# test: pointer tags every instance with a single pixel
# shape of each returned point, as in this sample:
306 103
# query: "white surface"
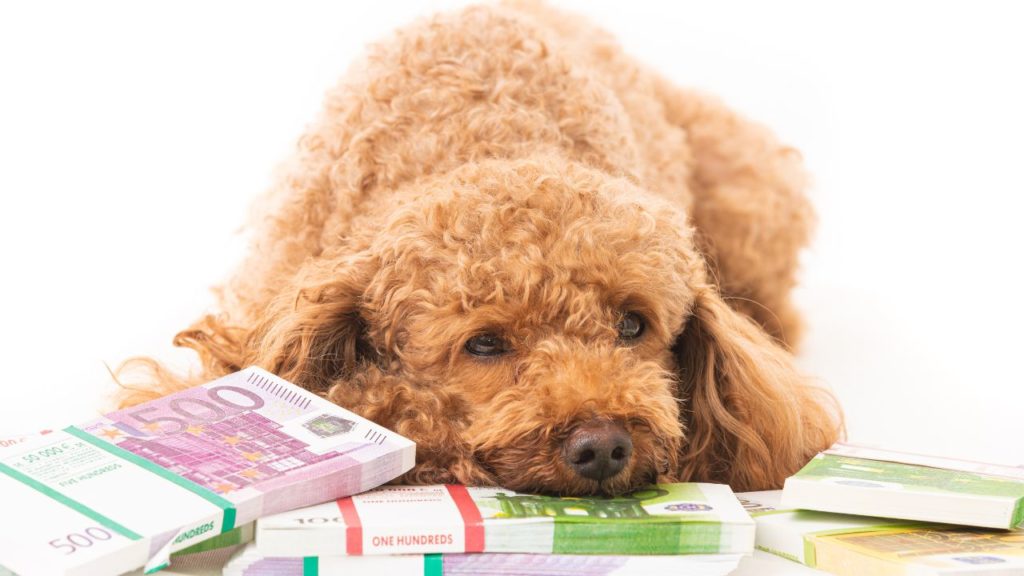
134 136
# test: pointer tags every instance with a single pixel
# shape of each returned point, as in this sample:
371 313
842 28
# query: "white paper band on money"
662 519
128 489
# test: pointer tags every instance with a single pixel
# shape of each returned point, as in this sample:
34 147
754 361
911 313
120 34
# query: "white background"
134 136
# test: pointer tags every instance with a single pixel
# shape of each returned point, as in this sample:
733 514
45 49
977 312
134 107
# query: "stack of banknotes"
250 562
854 510
125 491
288 484
869 481
445 529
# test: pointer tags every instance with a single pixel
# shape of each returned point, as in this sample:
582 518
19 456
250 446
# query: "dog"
554 270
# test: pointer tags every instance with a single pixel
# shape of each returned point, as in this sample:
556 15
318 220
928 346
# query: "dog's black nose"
598 449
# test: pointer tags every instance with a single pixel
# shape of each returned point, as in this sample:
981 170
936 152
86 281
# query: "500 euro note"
128 489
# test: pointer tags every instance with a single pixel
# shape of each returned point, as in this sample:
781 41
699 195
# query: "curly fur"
508 169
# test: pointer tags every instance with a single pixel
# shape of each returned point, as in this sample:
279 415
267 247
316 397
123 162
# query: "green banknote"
686 518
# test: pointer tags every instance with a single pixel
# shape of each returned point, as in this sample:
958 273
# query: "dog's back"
514 80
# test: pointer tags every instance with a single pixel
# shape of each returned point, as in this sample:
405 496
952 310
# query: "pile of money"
289 484
249 562
905 514
850 545
852 479
447 529
659 519
127 490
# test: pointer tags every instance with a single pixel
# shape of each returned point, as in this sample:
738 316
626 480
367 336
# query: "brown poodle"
552 269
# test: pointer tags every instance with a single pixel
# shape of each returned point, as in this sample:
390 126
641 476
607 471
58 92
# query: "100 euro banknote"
660 519
850 545
128 489
851 479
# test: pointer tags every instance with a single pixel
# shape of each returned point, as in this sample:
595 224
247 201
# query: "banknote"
249 562
851 479
661 519
854 545
128 489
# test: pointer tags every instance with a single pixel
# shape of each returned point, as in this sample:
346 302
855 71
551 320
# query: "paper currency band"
224 504
69 502
433 565
353 526
471 517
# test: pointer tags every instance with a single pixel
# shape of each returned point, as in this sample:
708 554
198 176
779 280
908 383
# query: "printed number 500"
72 542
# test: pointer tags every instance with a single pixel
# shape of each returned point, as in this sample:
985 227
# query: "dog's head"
545 327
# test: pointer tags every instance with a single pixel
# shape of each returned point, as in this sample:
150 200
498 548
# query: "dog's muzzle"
598 449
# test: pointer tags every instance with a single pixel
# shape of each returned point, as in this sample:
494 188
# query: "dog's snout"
598 449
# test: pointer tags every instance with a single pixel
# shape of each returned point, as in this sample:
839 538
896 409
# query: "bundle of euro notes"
856 510
447 529
249 562
659 519
849 545
126 490
866 481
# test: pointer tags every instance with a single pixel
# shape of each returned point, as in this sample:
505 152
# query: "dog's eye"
630 327
486 345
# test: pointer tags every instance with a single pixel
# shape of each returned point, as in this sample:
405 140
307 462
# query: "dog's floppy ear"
751 419
316 333
312 334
